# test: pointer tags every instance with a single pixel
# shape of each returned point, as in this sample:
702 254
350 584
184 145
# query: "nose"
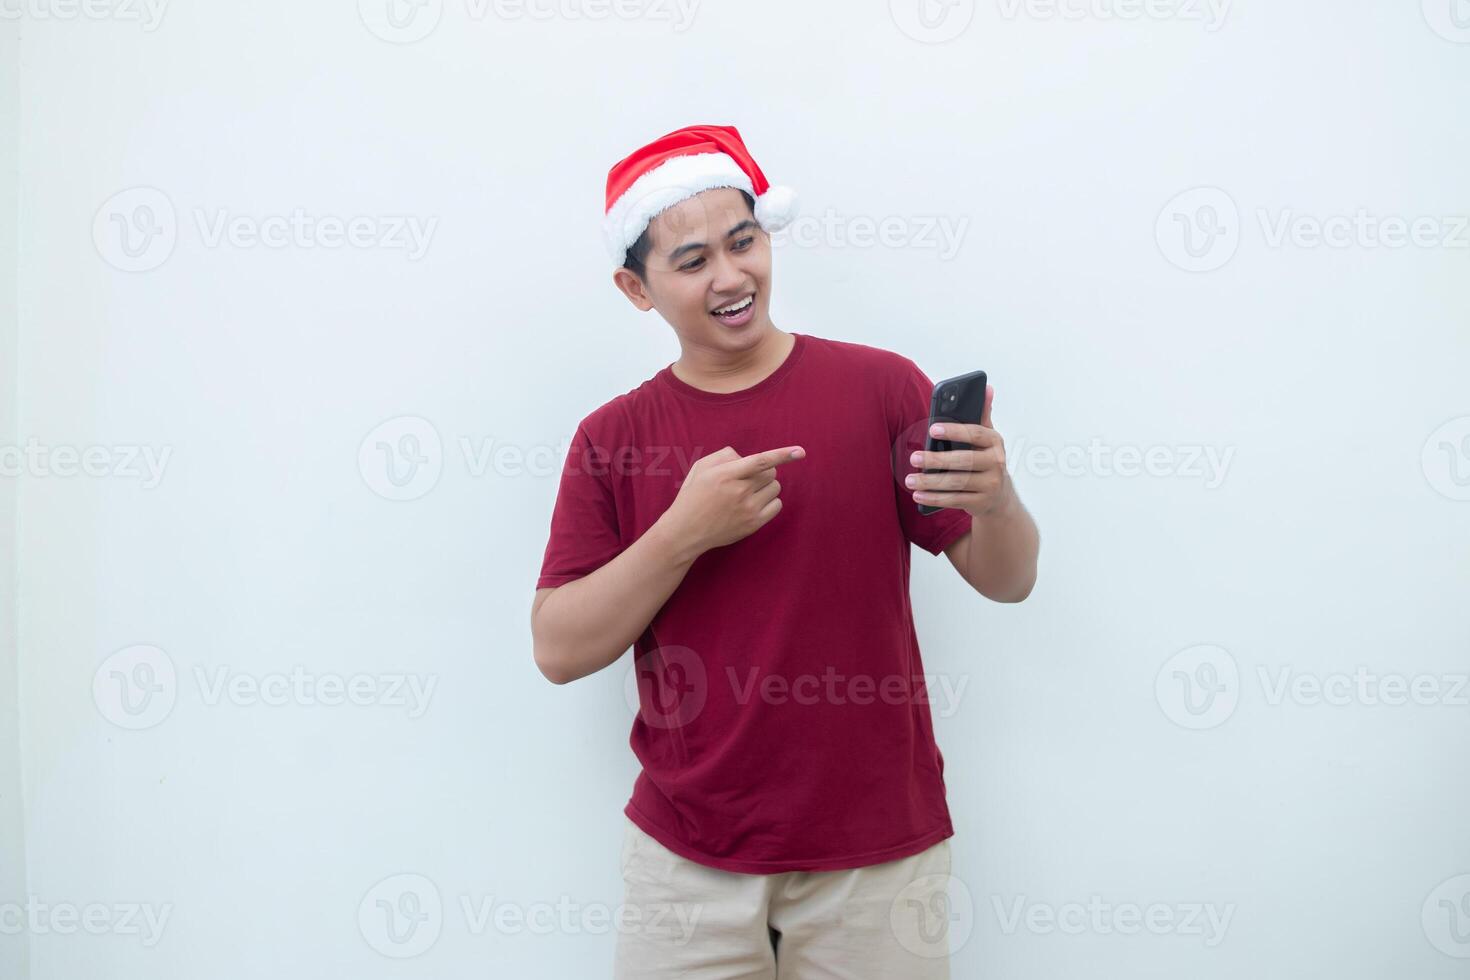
728 276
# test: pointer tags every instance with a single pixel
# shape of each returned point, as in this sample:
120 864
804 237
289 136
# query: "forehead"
705 217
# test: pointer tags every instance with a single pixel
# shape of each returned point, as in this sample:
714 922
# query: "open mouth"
737 313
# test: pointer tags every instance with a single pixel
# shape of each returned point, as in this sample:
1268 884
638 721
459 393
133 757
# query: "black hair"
635 260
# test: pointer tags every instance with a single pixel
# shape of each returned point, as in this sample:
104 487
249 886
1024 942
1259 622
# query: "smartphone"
960 399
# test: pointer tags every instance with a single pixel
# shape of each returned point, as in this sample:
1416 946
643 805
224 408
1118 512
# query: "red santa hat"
677 166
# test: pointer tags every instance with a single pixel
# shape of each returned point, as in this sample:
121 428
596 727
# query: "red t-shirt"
784 722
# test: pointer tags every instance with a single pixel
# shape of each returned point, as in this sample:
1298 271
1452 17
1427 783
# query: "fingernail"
915 459
910 480
936 430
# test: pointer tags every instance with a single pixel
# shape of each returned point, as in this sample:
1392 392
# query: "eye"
744 243
691 266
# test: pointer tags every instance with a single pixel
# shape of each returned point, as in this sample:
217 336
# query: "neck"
720 369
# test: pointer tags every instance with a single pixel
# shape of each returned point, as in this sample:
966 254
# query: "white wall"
14 947
1332 536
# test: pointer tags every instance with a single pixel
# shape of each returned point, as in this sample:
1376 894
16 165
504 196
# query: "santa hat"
674 168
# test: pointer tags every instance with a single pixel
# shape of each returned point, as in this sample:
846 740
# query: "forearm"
586 625
1004 545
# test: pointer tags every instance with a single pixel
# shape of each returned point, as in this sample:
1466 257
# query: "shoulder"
876 362
619 415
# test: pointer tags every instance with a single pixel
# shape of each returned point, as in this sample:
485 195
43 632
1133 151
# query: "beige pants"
689 921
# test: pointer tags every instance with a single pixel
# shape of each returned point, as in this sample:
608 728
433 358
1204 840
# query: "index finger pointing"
756 462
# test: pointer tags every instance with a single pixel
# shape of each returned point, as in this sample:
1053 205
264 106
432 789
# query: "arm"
583 626
997 557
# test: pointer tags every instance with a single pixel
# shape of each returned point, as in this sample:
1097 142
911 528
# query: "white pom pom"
776 208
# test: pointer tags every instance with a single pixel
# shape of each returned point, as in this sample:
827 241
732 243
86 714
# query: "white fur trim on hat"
678 179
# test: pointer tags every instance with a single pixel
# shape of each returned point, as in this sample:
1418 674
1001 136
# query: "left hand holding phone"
974 479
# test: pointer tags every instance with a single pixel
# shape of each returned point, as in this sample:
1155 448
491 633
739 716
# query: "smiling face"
707 253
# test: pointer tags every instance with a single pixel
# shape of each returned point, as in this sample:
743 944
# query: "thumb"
985 412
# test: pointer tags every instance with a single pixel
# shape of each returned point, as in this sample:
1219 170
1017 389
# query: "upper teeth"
736 306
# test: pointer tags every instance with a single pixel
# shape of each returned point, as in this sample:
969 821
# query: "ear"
633 288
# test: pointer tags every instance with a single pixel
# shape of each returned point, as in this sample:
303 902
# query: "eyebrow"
695 246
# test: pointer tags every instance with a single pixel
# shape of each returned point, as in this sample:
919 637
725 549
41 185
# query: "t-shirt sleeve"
909 423
584 523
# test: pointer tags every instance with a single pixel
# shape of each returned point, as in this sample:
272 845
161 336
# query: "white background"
1334 539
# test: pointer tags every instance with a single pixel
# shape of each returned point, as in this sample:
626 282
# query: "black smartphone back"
960 399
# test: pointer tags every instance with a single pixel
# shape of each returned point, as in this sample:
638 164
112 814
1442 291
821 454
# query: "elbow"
551 666
1022 579
1019 595
556 678
1015 592
1006 597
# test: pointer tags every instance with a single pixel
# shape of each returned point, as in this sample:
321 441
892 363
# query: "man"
743 519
